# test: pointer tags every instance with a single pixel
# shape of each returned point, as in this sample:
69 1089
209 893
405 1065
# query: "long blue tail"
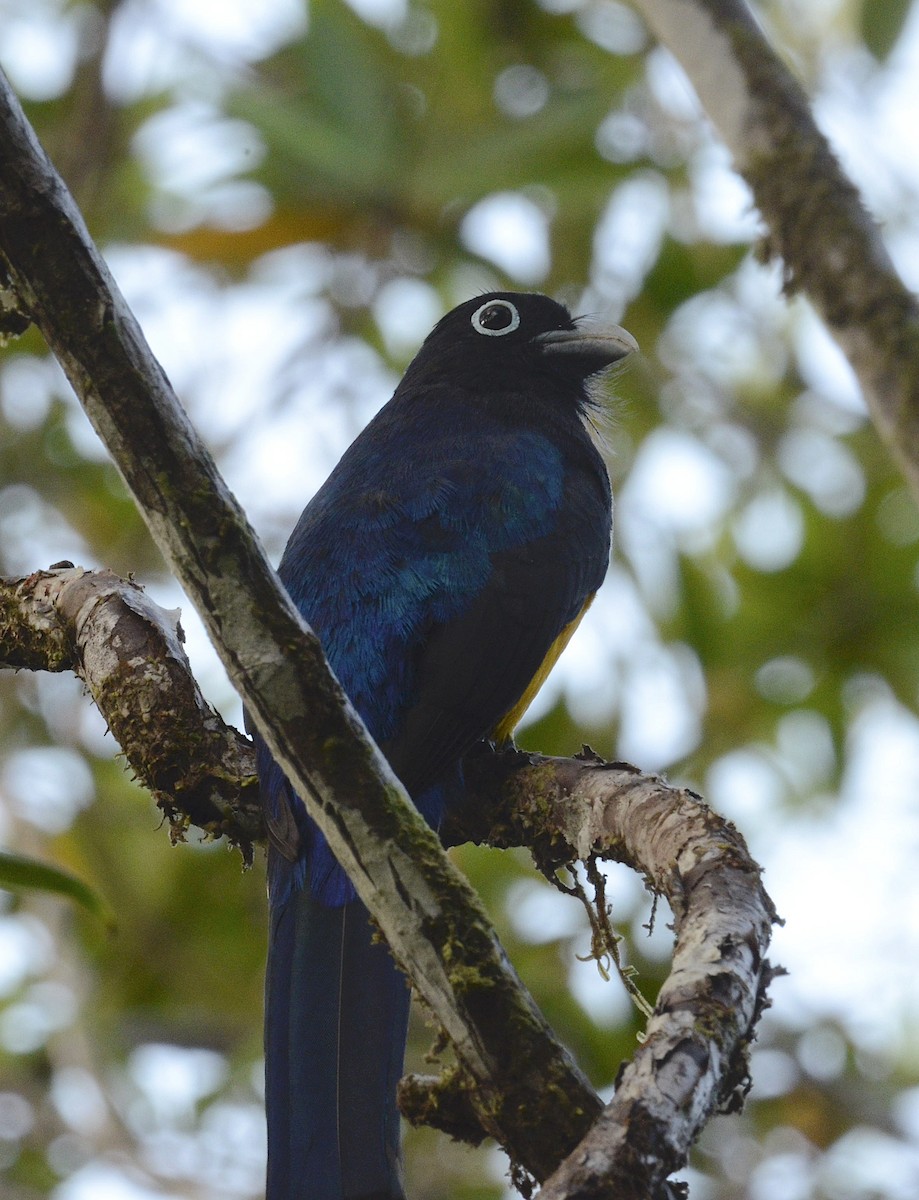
336 1015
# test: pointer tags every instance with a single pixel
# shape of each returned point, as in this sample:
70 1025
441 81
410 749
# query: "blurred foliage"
346 162
881 25
18 874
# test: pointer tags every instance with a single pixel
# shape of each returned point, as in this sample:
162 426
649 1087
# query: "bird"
444 565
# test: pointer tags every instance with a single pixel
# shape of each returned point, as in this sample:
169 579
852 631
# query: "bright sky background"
867 842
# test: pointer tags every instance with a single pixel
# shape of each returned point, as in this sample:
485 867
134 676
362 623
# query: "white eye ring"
489 307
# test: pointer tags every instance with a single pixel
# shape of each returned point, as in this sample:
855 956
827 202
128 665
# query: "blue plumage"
459 538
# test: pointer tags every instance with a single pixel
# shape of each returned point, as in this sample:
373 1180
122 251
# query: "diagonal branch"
434 923
693 1061
526 1091
830 246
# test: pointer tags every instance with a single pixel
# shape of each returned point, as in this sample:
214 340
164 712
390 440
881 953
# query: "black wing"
473 669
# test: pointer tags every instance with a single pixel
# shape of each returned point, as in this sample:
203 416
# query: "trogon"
444 565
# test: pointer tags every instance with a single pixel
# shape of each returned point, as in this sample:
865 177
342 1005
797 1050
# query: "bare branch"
433 921
524 1089
830 245
693 1060
128 651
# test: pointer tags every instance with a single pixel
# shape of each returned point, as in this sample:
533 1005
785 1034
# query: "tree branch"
433 921
830 245
693 1060
526 1091
128 652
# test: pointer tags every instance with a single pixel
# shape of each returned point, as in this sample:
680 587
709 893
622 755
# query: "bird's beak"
596 348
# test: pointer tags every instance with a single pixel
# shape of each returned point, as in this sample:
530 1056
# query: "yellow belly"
503 731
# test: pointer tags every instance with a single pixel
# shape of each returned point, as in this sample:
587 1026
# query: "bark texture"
693 1059
433 921
830 246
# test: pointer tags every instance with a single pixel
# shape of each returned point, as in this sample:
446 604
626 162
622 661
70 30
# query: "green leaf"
18 874
881 24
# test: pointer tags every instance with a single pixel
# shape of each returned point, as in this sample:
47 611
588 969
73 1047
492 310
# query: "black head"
506 339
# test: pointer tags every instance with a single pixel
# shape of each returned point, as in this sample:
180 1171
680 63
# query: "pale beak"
597 348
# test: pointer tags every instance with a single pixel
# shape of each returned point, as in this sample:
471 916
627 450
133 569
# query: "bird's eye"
495 318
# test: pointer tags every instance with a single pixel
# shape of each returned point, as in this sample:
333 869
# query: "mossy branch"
431 918
128 652
563 809
817 223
